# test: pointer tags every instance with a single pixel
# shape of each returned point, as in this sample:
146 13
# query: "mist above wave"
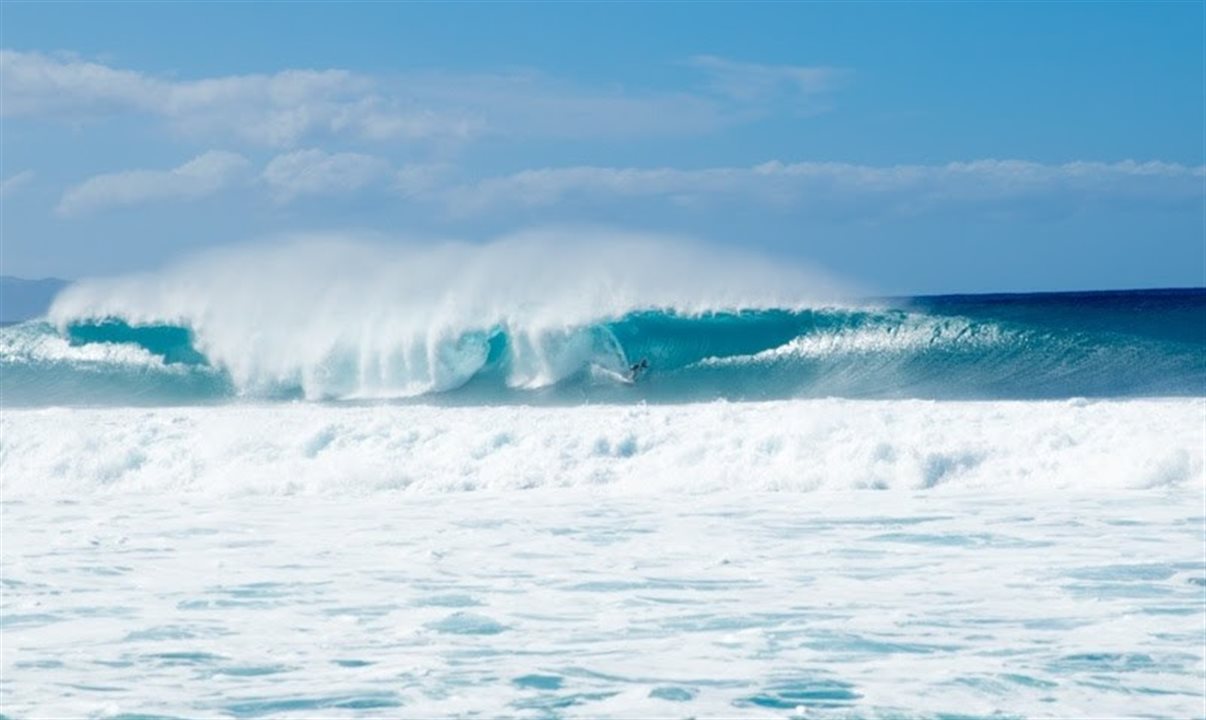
346 317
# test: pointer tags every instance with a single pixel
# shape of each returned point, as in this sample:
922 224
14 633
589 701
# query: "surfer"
638 368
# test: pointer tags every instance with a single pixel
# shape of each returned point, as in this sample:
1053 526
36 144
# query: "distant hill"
21 299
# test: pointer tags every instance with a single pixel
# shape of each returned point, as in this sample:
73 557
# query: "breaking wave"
534 319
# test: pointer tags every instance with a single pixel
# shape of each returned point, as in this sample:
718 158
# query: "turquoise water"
1113 344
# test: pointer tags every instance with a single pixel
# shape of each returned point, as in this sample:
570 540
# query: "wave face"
529 321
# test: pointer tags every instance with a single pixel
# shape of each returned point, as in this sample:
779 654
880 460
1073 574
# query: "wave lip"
37 344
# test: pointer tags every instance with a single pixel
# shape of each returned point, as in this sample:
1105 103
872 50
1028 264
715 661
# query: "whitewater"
322 477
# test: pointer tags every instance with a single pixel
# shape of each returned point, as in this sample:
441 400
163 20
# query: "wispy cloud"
203 175
276 110
294 106
820 189
14 182
829 188
315 172
749 82
535 104
419 179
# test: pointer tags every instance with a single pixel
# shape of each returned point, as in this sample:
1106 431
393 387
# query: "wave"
899 445
535 319
739 355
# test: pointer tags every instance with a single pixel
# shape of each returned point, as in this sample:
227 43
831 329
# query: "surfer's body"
637 368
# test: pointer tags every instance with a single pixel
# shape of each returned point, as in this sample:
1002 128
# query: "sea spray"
561 318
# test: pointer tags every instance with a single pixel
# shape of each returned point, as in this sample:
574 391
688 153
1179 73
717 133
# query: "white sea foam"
795 446
580 603
910 334
1033 558
32 344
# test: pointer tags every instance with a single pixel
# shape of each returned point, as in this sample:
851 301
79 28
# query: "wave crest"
539 318
353 319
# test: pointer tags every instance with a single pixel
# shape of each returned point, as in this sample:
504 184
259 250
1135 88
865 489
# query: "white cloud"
749 82
204 175
287 108
416 179
35 84
841 187
11 183
819 189
314 172
277 110
533 104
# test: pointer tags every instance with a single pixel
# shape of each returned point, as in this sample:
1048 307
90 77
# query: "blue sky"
909 147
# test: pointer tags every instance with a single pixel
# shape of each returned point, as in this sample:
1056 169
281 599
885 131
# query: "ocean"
257 486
